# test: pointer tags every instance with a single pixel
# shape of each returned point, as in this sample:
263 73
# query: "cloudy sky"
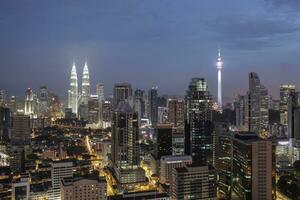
149 43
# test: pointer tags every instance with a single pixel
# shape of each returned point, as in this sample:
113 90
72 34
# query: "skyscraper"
257 105
101 98
85 84
253 167
73 92
219 67
176 112
198 122
29 103
122 91
125 145
153 105
286 91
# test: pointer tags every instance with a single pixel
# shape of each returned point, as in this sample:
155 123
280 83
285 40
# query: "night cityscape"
149 100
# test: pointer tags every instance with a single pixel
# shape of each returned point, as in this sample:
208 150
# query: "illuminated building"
122 91
168 163
101 98
93 109
143 195
286 91
253 167
153 105
30 104
219 67
73 92
257 108
176 112
85 87
107 113
59 170
93 188
193 182
125 146
178 142
43 97
224 162
198 122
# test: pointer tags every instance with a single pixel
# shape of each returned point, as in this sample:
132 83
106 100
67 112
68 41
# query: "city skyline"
177 38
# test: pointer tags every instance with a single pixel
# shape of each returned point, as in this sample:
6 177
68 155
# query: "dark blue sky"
149 42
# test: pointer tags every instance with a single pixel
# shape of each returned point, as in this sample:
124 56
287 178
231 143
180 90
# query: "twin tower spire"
75 98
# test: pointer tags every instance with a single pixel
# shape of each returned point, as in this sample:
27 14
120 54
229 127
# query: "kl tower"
219 67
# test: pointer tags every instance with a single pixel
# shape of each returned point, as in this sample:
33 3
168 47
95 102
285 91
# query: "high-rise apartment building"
125 145
198 122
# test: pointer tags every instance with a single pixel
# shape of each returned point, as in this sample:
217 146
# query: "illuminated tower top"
219 61
85 84
219 67
73 92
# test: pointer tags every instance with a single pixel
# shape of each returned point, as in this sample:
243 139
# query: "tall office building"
176 112
85 85
5 123
240 111
253 168
198 122
59 171
101 98
224 162
163 145
219 67
29 106
79 188
122 91
296 128
153 105
43 98
193 182
141 97
257 105
286 91
168 163
20 129
125 145
178 142
73 92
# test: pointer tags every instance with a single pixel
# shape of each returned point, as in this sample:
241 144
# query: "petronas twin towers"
74 98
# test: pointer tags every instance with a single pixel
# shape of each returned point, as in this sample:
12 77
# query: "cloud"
292 5
252 33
